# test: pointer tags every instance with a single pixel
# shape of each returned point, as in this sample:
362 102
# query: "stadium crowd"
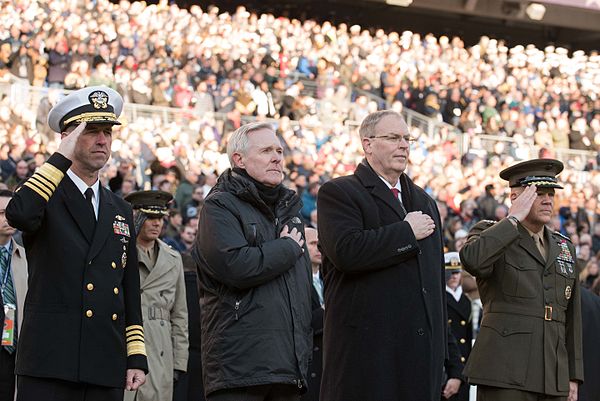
224 68
315 82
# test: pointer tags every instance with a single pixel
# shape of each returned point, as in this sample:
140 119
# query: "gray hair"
367 127
238 142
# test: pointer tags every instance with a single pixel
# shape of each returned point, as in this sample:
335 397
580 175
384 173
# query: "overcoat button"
89 313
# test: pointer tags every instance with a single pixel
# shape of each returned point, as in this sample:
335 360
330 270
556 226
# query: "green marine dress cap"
95 104
151 203
539 172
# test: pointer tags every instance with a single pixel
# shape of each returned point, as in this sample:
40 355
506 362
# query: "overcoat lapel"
163 263
373 183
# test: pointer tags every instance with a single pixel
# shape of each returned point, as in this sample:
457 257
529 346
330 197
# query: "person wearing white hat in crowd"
82 337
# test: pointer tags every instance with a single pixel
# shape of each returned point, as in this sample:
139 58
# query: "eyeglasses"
395 139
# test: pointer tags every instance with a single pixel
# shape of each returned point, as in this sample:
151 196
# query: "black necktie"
89 195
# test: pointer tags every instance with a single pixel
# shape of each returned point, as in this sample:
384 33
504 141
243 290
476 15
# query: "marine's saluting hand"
521 206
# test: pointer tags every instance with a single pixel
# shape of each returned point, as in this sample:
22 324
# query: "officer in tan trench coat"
529 346
164 306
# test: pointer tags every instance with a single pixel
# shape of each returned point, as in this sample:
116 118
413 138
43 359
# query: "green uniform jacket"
530 336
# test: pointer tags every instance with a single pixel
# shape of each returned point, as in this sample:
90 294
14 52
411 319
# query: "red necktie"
396 193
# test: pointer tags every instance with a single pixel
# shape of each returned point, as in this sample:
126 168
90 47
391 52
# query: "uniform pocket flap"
507 326
520 262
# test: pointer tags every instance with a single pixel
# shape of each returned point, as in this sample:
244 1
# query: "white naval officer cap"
94 104
452 261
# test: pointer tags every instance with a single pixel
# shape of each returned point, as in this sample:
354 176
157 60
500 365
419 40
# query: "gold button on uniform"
449 321
89 313
462 341
116 290
462 322
462 359
114 316
114 265
90 286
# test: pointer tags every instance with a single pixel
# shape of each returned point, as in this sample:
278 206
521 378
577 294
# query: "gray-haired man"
255 277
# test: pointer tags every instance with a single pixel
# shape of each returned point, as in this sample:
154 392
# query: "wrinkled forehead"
263 138
391 125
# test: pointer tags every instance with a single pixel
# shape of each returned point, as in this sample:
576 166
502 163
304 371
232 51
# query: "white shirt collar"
8 245
82 186
455 293
397 186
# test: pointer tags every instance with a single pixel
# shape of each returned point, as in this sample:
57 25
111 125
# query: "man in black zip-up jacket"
255 277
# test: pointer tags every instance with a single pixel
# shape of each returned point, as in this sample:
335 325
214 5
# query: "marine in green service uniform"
529 346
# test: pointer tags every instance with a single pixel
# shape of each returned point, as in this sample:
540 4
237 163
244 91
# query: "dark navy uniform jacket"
82 317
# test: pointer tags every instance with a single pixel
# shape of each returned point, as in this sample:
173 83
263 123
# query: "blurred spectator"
309 200
20 174
589 272
488 203
192 208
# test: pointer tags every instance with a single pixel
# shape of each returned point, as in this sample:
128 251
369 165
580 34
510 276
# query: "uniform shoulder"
559 235
483 225
169 249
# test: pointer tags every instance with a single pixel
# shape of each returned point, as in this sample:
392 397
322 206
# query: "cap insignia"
99 99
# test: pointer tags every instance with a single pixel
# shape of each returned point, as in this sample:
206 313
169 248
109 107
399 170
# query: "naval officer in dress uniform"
459 317
164 307
529 346
82 337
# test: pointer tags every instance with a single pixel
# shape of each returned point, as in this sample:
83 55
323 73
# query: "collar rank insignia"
121 228
99 99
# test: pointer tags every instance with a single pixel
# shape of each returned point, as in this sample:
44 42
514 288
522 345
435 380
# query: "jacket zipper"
237 308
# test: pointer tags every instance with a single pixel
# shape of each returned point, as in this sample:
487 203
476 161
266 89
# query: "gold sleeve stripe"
52 173
36 189
38 183
135 338
133 327
136 349
135 333
45 181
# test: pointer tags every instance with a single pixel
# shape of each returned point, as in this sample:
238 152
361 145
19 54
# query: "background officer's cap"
452 262
539 172
95 104
151 203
